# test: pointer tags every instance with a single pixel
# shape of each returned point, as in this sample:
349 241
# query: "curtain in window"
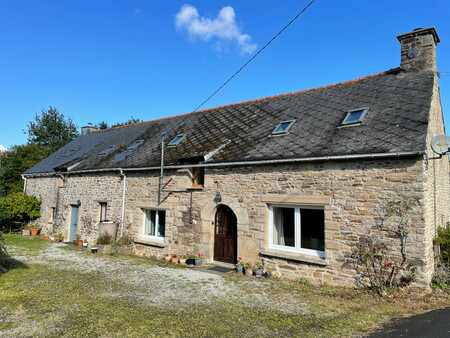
278 231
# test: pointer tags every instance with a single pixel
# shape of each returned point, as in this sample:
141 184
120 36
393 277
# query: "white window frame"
177 139
283 132
144 235
103 209
357 122
297 231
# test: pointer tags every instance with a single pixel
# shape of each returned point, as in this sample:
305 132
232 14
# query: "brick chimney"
88 129
418 50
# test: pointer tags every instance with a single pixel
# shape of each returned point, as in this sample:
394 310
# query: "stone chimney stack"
418 50
88 129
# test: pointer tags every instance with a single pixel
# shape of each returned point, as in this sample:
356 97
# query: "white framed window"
355 116
283 128
103 207
154 224
176 140
297 229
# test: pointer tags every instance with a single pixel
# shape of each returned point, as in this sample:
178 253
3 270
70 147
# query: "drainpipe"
161 177
123 201
24 183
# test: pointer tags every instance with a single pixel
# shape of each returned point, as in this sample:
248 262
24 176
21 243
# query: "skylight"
176 140
283 128
107 150
135 144
355 116
70 152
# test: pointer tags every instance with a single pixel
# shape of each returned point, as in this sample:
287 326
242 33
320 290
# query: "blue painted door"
73 222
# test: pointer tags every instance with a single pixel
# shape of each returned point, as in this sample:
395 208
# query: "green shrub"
3 254
443 239
125 240
19 207
104 239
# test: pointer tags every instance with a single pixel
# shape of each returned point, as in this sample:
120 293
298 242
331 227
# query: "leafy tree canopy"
19 207
51 129
15 162
104 125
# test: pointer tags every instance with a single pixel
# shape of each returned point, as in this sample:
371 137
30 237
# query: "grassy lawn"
55 300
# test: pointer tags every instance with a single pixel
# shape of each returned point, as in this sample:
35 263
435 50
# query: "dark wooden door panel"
225 237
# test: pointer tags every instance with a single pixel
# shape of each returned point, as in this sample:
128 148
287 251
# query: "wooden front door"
225 235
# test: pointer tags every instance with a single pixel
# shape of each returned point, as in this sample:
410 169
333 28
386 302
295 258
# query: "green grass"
29 245
59 302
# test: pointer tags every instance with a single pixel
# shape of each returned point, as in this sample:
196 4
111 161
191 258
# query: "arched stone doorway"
225 235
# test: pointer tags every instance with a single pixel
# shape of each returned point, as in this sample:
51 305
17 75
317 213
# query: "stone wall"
352 194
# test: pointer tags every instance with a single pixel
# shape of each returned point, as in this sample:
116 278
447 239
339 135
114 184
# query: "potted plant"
183 260
258 269
248 268
175 259
85 243
124 245
104 244
199 260
78 240
58 238
190 259
240 266
34 229
168 257
268 273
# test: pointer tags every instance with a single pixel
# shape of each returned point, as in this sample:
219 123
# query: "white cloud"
2 149
224 28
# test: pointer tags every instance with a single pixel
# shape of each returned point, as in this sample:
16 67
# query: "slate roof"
397 121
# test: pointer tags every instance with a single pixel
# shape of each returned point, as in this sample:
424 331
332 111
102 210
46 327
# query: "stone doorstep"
217 268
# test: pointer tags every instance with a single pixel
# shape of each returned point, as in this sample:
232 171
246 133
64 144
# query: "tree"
51 130
19 207
15 162
104 125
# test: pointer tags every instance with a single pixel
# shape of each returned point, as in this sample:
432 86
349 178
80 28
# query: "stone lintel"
294 257
296 199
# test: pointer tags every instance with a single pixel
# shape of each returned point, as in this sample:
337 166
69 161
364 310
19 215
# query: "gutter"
247 163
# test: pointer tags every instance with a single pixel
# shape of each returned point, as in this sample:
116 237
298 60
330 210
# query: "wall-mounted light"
218 198
78 202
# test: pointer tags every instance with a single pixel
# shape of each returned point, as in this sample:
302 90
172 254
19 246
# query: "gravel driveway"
169 286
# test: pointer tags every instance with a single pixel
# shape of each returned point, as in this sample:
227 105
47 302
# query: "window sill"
195 187
150 242
295 257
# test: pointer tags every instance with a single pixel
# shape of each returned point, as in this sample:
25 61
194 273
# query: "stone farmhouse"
296 181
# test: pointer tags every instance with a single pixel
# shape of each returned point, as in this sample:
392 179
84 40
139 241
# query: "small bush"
125 240
443 239
3 255
441 277
104 239
19 207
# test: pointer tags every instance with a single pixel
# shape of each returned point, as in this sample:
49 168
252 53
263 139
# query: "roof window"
135 144
70 152
283 128
355 116
176 140
107 150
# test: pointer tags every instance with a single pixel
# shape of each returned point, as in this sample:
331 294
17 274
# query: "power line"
254 56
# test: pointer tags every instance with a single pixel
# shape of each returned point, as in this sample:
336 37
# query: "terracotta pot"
183 261
34 232
79 243
167 258
248 272
175 259
44 237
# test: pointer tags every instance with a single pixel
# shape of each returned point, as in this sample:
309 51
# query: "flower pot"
248 272
26 233
44 237
34 232
239 269
198 262
79 243
85 244
267 275
190 261
182 261
258 273
175 260
167 258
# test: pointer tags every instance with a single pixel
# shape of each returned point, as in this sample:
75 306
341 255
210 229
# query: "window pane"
312 229
282 127
354 116
284 226
150 218
162 223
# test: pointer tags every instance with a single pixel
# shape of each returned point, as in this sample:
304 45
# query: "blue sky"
109 60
